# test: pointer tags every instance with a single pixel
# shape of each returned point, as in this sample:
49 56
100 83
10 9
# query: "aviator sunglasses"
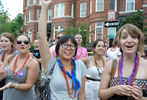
20 42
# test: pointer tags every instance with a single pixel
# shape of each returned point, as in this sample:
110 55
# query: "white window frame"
98 3
36 34
90 6
49 15
25 19
40 2
72 10
38 14
83 9
30 15
30 34
59 29
130 1
99 27
28 2
90 33
59 10
34 1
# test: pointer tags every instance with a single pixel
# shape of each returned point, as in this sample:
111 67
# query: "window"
72 10
34 1
83 7
90 33
90 6
28 2
30 15
30 34
130 5
37 34
58 29
59 10
25 19
99 5
38 14
40 2
49 14
99 30
112 4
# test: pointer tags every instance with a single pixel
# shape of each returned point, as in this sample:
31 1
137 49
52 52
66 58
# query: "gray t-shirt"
58 83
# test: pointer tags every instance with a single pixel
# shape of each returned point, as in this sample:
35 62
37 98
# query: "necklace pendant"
20 73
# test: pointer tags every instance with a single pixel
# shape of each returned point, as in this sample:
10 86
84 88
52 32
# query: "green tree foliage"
82 28
136 19
14 27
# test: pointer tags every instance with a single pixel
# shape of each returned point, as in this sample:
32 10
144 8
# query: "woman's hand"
7 86
123 90
137 93
46 2
3 74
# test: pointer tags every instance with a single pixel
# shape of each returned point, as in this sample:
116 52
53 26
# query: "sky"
13 6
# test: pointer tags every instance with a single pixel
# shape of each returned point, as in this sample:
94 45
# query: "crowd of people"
64 71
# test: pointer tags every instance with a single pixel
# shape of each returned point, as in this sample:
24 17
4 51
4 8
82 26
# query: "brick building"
64 13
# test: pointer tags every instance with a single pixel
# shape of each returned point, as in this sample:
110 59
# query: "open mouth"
130 46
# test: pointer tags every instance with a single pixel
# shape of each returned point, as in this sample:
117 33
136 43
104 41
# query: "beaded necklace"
133 74
75 82
97 63
14 67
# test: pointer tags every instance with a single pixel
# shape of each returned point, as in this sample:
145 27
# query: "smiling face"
67 50
22 44
128 43
5 43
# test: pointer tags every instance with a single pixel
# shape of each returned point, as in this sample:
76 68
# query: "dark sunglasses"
20 42
59 37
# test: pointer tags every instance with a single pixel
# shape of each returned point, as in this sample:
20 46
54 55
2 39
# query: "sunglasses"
20 42
59 37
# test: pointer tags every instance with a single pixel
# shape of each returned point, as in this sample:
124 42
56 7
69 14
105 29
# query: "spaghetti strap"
29 61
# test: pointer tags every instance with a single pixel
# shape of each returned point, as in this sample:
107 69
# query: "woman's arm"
3 73
42 27
84 59
81 94
105 92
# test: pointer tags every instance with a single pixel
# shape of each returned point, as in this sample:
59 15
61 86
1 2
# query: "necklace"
112 49
80 55
97 63
133 74
75 82
19 72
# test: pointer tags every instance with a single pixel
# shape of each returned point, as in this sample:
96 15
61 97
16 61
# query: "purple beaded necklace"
133 74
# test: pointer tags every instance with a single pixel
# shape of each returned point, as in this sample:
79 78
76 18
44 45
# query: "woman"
22 72
95 65
81 51
61 85
7 48
130 78
7 45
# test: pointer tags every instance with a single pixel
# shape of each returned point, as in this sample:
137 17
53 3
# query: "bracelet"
16 86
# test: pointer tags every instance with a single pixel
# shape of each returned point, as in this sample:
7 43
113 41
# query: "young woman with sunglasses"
22 72
68 79
95 65
130 79
7 48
